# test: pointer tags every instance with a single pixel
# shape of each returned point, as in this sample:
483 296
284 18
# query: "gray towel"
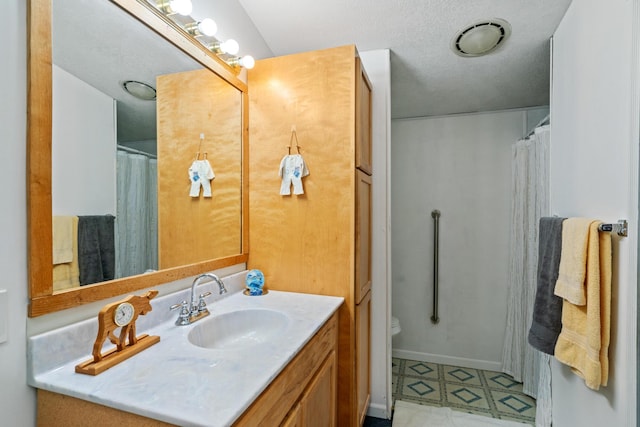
96 248
547 308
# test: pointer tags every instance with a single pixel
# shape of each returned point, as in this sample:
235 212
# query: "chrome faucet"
195 311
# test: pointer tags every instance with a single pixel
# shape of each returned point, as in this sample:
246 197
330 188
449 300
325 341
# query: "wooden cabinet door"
318 404
363 349
363 120
363 235
294 417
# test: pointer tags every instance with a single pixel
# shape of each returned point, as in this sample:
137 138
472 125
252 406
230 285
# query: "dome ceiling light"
481 37
139 90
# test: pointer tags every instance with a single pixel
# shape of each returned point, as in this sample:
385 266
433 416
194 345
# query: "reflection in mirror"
119 186
105 205
202 219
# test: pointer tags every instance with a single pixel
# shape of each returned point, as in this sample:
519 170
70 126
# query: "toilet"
395 326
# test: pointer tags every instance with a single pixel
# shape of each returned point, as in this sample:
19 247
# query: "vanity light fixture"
230 46
171 7
139 90
246 61
206 27
203 31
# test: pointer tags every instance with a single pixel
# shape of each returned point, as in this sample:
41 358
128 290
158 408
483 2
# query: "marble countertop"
173 380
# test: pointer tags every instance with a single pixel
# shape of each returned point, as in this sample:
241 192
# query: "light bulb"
247 62
230 46
208 27
182 7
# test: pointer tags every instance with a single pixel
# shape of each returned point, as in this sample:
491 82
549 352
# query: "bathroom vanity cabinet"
318 242
303 394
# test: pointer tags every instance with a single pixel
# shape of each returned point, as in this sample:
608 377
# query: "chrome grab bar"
436 226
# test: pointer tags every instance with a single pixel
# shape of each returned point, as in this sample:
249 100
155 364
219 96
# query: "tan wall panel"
303 242
306 243
197 229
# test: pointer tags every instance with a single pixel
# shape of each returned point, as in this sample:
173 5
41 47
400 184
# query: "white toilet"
395 326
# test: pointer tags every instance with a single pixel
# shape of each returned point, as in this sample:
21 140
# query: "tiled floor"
488 393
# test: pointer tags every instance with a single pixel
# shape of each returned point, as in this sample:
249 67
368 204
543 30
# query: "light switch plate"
4 316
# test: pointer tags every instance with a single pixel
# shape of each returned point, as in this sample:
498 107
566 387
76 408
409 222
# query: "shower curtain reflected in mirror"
137 214
530 192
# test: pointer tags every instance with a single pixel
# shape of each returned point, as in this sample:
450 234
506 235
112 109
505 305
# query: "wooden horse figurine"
132 307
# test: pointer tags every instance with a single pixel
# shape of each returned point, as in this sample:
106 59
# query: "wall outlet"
4 316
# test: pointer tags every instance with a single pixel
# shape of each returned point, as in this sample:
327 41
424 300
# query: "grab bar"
436 225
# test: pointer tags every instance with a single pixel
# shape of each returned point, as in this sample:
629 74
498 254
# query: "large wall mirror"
113 203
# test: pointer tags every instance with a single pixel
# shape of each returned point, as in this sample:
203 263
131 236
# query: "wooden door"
363 350
319 400
363 235
294 417
363 120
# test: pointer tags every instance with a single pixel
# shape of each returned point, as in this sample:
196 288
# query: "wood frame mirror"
42 298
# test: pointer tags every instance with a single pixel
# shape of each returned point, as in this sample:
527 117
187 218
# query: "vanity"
266 360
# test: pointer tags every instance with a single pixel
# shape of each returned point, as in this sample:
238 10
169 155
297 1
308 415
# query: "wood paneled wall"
303 240
197 229
306 243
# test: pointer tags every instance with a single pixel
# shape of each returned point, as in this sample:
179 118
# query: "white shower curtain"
530 192
137 214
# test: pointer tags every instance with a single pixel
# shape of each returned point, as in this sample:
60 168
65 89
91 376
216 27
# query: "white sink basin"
238 329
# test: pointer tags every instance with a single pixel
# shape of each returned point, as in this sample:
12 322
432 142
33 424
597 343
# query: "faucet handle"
202 305
183 317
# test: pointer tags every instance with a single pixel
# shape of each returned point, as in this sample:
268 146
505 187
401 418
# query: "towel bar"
621 228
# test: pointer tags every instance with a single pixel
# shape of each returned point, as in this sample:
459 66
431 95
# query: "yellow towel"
573 259
67 275
62 239
583 343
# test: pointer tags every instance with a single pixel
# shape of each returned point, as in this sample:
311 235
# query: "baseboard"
448 360
377 411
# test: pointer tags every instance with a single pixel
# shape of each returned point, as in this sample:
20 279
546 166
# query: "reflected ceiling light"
230 46
246 61
139 90
206 27
170 7
481 37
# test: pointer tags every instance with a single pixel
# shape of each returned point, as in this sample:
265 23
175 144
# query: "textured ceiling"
427 78
102 45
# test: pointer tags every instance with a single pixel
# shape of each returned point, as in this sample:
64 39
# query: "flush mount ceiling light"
139 90
481 37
